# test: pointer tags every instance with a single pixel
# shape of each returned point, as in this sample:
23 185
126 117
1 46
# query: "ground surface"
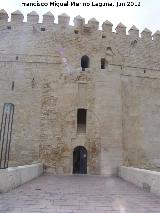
78 194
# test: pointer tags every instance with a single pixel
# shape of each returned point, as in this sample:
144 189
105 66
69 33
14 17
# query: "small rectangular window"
81 120
103 63
43 29
12 88
76 31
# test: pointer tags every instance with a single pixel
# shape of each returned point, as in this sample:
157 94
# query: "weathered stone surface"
146 179
80 194
122 100
15 176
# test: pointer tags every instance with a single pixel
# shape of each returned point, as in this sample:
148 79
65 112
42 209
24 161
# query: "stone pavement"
78 194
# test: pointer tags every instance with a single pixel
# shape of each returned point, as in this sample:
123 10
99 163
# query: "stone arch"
85 62
91 140
104 63
79 160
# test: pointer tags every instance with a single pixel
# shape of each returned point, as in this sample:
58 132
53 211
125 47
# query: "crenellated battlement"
17 18
77 86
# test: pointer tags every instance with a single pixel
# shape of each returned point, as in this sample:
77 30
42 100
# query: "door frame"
82 161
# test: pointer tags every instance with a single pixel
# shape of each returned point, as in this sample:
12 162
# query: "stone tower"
86 100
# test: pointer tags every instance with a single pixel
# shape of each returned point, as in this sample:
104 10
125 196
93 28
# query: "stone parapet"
63 22
15 176
146 179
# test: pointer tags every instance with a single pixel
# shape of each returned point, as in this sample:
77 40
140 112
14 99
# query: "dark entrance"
84 62
80 160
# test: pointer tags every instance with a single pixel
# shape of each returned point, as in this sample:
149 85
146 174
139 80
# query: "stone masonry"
122 98
78 194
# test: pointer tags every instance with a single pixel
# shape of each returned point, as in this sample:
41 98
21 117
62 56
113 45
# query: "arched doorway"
80 160
84 62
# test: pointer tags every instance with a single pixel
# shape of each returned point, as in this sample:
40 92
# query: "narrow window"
103 63
12 88
43 29
76 31
84 62
33 82
81 120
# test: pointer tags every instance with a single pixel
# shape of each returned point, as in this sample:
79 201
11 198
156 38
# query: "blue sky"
147 15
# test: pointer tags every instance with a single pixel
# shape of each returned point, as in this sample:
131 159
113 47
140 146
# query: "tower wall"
122 100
